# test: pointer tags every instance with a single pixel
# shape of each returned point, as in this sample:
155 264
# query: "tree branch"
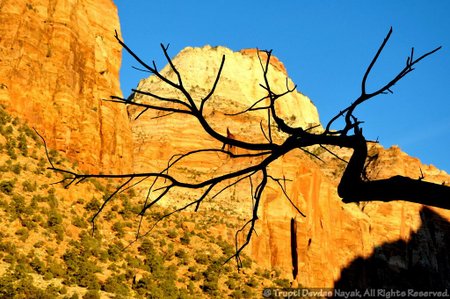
352 187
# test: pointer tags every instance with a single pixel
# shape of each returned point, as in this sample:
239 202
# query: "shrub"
266 274
228 250
29 132
210 287
283 283
29 187
99 186
4 167
24 288
232 283
185 238
22 145
114 284
172 233
4 117
79 222
7 187
109 215
238 294
16 121
40 168
51 199
81 270
8 130
197 276
93 205
17 207
89 245
54 269
38 244
133 262
246 262
63 290
23 234
91 294
118 228
10 149
59 232
155 263
114 252
37 265
54 218
53 154
52 291
151 288
253 283
202 258
16 168
180 253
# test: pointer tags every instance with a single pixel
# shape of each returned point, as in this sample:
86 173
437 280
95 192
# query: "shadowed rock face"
422 262
58 59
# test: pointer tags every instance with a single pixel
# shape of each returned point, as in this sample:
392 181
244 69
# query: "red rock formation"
333 234
58 59
237 90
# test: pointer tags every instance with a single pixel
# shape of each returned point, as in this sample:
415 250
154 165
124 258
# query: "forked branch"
352 187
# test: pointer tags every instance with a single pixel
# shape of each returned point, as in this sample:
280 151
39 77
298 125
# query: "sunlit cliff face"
59 59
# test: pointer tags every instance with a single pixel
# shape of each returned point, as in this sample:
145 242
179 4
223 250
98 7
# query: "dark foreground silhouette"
421 263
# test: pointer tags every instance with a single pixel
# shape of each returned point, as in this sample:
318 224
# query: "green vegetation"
48 249
7 187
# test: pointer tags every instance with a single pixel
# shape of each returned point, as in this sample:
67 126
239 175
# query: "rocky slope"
58 59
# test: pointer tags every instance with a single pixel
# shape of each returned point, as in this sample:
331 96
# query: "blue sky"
326 46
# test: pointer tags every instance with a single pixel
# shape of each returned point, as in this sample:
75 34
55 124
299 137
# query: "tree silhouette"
353 186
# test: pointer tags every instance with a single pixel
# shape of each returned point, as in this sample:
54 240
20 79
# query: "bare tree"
353 186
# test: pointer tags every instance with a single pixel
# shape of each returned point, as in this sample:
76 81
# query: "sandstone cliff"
157 139
333 235
58 59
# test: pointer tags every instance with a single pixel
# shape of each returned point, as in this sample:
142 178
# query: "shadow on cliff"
421 263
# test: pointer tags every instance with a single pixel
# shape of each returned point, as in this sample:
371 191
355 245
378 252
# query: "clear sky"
326 46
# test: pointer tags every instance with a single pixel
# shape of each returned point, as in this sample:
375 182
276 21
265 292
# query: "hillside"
47 248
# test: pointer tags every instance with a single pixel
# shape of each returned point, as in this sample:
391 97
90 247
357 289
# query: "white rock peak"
239 85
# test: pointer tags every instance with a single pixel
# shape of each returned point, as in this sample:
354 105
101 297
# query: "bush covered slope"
49 250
